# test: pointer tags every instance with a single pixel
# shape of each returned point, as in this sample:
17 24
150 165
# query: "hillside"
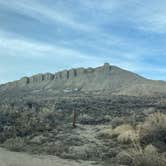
106 78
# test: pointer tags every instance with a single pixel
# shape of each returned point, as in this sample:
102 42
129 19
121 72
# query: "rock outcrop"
63 75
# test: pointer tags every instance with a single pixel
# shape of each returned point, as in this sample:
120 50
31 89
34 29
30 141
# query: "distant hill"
104 79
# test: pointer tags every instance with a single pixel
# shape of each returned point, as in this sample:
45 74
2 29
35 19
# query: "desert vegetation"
120 131
147 141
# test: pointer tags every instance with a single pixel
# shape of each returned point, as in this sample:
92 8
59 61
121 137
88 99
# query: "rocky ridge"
106 78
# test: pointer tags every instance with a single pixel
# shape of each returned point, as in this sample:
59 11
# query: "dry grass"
125 134
122 128
150 131
128 137
156 120
106 132
146 157
154 128
151 149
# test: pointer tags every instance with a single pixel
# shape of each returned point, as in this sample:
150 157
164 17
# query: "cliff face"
63 75
104 78
66 75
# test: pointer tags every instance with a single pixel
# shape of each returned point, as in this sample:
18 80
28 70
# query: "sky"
39 36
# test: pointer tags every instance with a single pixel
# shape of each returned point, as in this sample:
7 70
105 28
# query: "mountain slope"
106 78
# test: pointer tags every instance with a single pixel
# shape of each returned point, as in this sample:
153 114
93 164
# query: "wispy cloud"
22 47
29 48
36 10
149 16
145 15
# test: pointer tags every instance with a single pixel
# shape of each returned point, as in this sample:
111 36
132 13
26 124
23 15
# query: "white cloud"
154 23
43 13
21 47
148 15
32 49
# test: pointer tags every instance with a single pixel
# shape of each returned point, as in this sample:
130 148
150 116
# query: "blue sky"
46 36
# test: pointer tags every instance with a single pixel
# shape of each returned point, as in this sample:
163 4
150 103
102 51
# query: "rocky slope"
106 78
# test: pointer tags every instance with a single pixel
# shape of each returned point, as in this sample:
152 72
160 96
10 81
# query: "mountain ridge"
104 78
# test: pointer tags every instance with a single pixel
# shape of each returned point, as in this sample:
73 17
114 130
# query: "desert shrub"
123 158
122 128
74 140
128 137
108 117
150 149
85 152
39 139
14 144
57 148
105 133
153 129
150 110
85 119
8 132
146 157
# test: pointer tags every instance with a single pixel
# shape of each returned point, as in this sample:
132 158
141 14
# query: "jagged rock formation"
106 78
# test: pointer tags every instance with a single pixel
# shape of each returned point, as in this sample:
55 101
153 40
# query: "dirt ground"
8 158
